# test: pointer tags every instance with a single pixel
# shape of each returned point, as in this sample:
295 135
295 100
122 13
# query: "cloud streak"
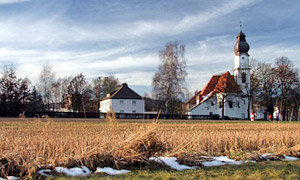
123 38
12 1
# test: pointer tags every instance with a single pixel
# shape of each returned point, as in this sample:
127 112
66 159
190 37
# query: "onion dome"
241 46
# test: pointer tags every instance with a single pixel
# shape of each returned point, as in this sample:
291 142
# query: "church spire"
241 46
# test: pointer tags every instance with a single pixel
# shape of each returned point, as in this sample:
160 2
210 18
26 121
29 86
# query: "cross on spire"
241 25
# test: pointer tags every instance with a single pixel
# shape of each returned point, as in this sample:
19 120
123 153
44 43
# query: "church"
226 95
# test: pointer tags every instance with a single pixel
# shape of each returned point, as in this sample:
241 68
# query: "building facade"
123 100
226 95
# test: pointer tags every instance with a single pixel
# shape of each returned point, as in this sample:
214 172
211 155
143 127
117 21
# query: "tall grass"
29 145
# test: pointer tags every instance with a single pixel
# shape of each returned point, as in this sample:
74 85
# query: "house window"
212 103
133 111
133 103
243 77
121 111
121 103
230 104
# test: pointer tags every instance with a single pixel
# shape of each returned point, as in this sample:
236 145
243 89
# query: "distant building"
226 88
123 100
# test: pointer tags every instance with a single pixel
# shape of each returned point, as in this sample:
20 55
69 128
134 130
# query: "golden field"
27 145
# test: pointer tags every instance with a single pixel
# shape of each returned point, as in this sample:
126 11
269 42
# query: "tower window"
230 104
243 77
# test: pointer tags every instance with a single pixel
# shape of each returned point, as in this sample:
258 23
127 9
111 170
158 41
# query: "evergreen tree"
36 101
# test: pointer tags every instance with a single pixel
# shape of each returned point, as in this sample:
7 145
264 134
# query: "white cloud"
217 12
12 1
129 48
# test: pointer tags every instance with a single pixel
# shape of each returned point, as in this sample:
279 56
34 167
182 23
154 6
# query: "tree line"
272 85
51 93
275 85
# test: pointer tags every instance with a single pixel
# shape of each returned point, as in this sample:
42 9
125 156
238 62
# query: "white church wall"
238 109
209 107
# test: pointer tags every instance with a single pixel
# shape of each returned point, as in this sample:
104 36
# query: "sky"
123 38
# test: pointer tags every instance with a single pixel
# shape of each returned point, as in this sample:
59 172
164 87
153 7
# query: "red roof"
210 85
227 84
218 84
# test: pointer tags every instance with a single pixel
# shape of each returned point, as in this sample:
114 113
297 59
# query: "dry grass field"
27 145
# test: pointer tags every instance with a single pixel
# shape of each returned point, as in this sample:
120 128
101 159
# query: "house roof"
218 84
123 92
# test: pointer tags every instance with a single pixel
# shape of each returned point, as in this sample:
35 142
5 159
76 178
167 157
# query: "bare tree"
252 90
97 90
103 86
169 83
79 92
56 92
266 93
287 78
46 80
109 84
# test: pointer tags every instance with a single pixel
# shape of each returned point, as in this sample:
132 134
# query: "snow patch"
12 178
76 171
267 155
42 172
290 158
221 160
111 171
172 162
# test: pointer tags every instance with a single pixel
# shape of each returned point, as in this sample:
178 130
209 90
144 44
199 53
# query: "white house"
227 89
123 100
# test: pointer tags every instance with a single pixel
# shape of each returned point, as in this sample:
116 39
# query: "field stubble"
28 145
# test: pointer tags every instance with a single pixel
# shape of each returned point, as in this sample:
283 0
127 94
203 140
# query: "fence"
53 114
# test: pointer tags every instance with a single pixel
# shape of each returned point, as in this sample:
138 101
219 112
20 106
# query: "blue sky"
122 38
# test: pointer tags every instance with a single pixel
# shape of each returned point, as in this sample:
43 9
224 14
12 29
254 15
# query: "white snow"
267 154
12 178
111 171
213 163
221 160
172 162
42 172
168 161
290 158
2 179
76 171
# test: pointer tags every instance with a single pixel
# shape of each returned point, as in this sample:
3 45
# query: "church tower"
241 62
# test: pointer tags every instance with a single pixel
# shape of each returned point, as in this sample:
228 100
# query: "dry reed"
29 145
